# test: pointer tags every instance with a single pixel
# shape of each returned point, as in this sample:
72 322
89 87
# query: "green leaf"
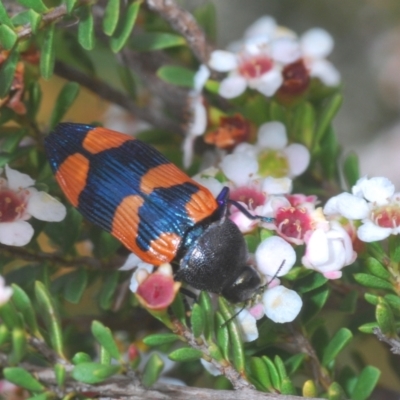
11 142
384 317
368 327
222 334
351 169
336 392
86 27
316 299
159 339
4 334
127 79
336 345
125 26
34 99
156 41
152 370
287 386
7 37
377 269
178 309
326 115
310 282
277 112
7 72
174 75
9 316
260 373
4 18
70 5
49 312
294 362
105 244
366 383
104 336
80 358
108 290
236 343
22 378
47 57
111 16
35 5
60 373
75 285
273 372
280 366
372 282
197 320
34 20
19 345
24 305
185 354
65 99
208 309
303 124
91 372
393 300
371 298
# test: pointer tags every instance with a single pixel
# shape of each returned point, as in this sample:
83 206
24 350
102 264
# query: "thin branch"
394 343
25 254
184 23
151 115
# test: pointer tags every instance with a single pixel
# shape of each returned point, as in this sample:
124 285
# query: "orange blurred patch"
72 175
100 139
232 130
165 247
163 176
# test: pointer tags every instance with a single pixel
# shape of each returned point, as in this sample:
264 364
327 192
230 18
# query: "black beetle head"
243 287
216 262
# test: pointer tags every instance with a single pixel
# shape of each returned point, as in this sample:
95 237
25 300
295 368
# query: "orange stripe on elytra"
125 228
100 139
72 175
201 204
163 176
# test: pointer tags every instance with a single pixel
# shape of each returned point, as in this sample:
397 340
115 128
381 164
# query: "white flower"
281 304
275 257
5 291
375 203
211 368
329 250
316 44
248 326
239 168
19 201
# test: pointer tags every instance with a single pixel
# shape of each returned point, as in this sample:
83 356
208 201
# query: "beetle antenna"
247 214
233 317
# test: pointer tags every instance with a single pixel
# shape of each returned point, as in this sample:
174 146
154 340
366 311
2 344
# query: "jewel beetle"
131 190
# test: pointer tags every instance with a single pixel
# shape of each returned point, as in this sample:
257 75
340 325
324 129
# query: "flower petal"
46 208
298 157
17 180
285 50
264 26
378 190
232 86
272 185
201 77
212 184
210 368
17 233
325 71
268 83
348 205
275 257
131 262
248 326
281 304
223 61
239 168
369 232
272 135
316 43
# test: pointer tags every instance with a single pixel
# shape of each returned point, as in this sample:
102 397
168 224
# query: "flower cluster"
271 58
19 201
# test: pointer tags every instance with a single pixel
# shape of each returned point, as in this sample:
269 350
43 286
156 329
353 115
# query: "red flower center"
387 216
157 291
255 66
251 197
293 222
11 206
